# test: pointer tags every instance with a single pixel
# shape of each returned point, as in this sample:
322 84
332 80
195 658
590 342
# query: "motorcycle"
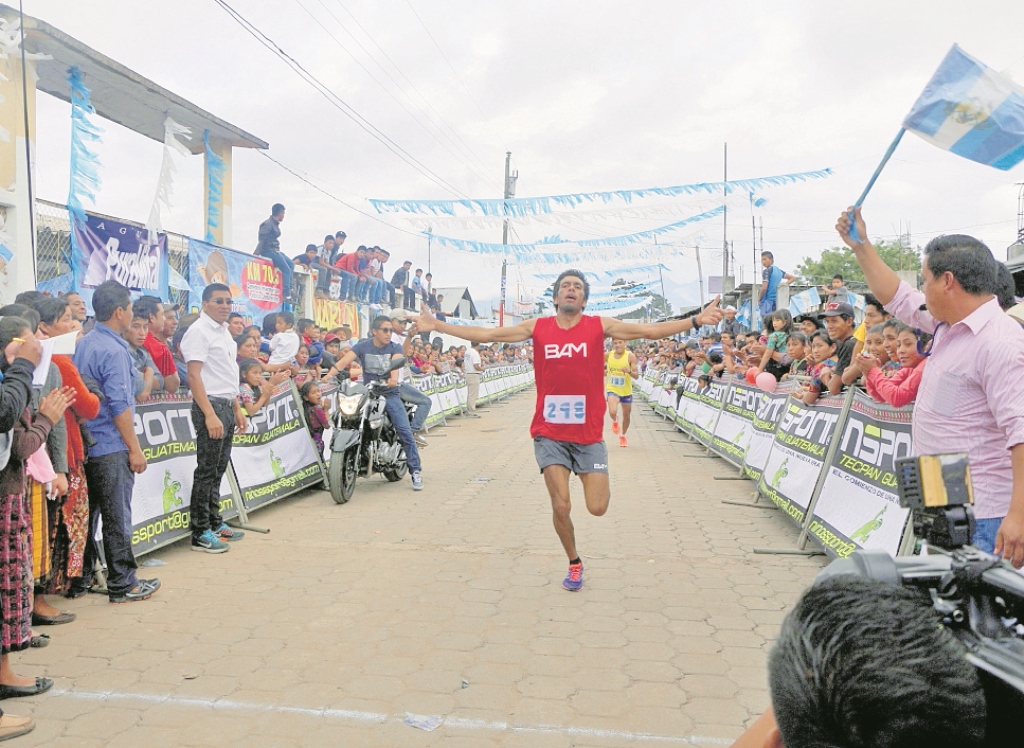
364 441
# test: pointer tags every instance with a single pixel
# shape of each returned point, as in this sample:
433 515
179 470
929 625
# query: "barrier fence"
829 467
274 459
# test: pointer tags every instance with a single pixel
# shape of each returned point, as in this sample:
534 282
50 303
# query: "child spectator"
838 290
774 360
874 343
889 345
901 388
301 372
268 332
316 417
253 392
823 355
310 334
285 343
796 349
148 380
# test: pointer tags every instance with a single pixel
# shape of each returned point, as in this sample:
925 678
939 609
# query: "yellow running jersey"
618 381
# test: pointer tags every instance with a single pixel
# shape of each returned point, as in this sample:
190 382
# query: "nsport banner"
703 405
160 498
859 505
735 427
276 457
802 437
767 414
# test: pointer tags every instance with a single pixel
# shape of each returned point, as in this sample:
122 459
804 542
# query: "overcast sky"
586 95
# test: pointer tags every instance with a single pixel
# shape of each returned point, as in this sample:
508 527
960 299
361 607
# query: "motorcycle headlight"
349 404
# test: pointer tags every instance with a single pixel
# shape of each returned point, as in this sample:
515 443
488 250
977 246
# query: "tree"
841 261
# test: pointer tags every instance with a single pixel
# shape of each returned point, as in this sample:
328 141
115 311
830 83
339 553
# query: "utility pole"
700 276
430 232
725 216
510 192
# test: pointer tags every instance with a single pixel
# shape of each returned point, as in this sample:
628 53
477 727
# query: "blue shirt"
375 361
104 356
774 276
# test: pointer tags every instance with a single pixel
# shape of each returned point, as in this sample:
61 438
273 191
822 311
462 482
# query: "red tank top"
569 368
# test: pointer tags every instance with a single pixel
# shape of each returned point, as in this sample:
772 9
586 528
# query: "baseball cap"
400 315
331 338
837 308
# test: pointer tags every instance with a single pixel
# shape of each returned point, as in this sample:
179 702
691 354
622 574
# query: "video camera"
976 595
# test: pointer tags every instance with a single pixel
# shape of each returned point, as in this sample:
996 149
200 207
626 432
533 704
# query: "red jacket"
898 390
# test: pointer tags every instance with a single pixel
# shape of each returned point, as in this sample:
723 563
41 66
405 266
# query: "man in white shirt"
400 336
472 366
209 352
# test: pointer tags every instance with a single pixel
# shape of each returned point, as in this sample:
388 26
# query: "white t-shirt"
283 347
471 361
210 343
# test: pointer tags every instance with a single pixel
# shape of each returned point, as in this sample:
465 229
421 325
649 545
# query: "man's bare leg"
596 492
556 478
626 410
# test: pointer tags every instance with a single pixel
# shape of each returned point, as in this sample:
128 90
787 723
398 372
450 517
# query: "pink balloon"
766 382
751 373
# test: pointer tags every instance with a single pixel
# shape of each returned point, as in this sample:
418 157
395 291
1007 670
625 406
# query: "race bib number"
618 380
565 409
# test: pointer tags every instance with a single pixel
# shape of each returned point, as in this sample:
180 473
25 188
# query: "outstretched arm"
616 328
882 280
427 322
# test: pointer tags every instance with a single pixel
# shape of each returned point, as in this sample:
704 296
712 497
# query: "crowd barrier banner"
829 466
797 459
767 414
859 505
735 428
160 498
276 457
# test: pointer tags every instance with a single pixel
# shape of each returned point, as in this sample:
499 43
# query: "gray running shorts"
579 458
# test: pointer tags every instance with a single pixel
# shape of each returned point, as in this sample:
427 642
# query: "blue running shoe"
574 580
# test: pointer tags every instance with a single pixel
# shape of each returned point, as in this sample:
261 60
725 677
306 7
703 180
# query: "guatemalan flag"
971 110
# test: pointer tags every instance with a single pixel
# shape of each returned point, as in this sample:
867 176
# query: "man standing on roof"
568 422
772 277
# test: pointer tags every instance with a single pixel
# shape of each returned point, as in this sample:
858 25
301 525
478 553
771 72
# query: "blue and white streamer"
610 273
85 164
215 170
529 206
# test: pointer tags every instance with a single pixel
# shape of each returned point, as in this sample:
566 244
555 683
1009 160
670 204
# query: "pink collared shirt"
970 399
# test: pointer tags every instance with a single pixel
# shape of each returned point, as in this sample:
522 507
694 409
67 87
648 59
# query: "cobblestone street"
446 604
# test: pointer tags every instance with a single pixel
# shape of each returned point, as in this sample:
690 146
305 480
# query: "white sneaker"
417 481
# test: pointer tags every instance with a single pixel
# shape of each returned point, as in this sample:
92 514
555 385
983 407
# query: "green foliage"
841 260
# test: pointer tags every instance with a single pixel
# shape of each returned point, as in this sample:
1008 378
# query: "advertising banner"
255 283
330 314
859 506
702 407
798 454
111 250
735 426
277 457
160 498
767 413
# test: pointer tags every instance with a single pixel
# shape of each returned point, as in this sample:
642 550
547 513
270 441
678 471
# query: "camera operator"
969 398
863 663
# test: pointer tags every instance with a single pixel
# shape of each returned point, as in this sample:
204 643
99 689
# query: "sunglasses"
384 329
925 349
220 302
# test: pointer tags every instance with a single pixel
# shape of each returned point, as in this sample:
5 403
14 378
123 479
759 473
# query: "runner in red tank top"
568 358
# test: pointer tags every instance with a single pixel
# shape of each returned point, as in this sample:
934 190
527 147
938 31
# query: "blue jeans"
348 286
985 534
376 290
396 412
287 268
766 306
212 456
422 402
110 482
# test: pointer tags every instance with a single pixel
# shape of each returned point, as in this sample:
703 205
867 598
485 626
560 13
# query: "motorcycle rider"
375 355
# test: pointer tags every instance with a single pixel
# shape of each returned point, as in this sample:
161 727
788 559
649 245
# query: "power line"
337 199
398 101
337 101
425 100
457 77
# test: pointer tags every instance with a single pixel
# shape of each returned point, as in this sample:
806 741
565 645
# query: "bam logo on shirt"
552 350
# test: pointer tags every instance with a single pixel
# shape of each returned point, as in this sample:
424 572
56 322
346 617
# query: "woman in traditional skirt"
27 433
68 514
